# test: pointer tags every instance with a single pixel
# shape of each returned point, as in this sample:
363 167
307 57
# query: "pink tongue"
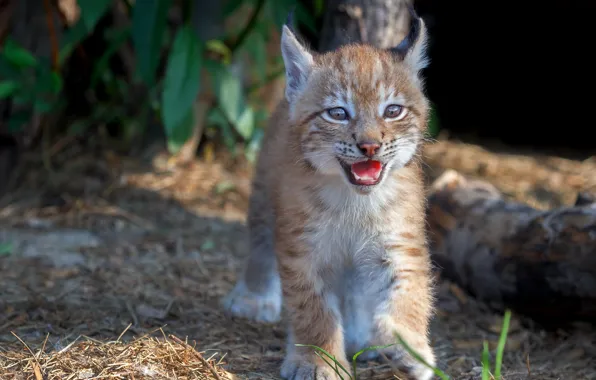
370 169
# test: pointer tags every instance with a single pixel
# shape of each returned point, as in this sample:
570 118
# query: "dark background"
515 73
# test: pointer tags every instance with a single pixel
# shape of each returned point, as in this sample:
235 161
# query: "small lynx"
336 214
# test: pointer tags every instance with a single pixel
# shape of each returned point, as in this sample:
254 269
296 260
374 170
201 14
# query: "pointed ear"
298 62
412 49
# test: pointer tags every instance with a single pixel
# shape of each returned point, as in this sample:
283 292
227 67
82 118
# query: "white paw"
413 368
241 302
420 372
299 368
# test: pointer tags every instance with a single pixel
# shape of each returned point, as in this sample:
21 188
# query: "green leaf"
255 46
148 26
101 66
180 133
45 89
216 117
181 84
48 82
228 91
57 82
7 69
232 6
7 88
42 105
92 11
72 37
5 249
18 120
279 9
18 55
245 124
23 98
218 46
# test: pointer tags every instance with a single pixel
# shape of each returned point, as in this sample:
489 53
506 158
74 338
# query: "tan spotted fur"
351 262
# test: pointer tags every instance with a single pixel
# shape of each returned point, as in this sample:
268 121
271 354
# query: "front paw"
243 303
310 368
412 368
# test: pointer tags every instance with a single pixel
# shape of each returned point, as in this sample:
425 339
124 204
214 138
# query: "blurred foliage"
171 63
149 66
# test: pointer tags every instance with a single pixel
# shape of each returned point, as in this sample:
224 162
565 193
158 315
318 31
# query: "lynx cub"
337 211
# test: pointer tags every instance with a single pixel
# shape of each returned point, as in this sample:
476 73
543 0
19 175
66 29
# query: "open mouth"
364 173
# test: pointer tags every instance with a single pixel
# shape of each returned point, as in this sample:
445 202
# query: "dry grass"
170 242
86 358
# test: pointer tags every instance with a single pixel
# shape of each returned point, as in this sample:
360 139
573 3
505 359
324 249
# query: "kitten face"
368 116
360 111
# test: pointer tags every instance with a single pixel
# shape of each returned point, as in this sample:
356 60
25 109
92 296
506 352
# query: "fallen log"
539 263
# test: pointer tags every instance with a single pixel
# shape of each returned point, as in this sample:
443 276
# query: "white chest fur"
349 228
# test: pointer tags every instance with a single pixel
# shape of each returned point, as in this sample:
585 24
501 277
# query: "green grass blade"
419 358
326 354
363 351
332 365
370 349
501 345
485 362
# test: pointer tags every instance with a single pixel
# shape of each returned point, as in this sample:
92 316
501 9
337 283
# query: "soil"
112 248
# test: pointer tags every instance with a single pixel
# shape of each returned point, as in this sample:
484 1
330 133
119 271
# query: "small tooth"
364 177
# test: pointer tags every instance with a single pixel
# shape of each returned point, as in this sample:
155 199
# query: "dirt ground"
111 248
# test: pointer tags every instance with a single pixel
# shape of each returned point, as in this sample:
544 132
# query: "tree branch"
52 32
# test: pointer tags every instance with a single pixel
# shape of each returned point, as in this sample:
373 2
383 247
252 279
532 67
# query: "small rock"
86 374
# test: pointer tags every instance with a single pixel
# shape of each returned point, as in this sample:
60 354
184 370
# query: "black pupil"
337 113
393 110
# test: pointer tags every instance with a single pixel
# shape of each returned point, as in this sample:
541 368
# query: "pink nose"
368 149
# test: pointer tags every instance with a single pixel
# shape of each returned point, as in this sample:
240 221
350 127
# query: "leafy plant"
170 60
181 86
30 82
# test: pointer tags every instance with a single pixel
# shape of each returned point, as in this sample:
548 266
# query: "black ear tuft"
290 19
413 34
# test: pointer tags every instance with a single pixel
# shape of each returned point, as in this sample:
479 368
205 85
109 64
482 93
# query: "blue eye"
337 113
393 111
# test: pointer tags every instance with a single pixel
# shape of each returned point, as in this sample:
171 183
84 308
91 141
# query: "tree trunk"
539 263
26 21
382 23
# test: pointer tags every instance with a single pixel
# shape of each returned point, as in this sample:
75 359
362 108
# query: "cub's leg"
357 312
404 306
313 315
257 294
